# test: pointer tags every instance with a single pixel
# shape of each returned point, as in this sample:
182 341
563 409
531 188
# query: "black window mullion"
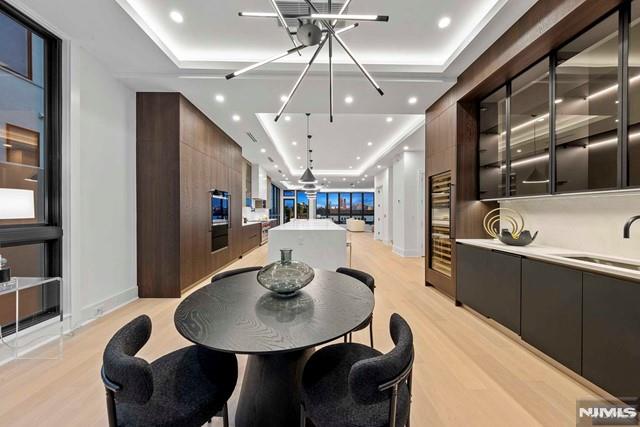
552 123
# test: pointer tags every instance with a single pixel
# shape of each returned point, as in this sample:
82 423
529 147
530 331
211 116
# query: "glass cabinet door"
634 96
440 226
529 137
493 145
587 110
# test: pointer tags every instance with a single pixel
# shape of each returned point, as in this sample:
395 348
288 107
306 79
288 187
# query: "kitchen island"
318 242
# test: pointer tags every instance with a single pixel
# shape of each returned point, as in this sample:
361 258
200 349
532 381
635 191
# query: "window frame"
48 232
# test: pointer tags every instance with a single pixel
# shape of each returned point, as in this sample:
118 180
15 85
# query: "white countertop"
309 225
556 256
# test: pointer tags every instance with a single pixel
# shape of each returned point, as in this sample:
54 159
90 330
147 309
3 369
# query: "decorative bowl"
285 277
525 238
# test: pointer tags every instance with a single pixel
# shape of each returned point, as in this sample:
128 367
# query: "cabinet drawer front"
611 334
552 311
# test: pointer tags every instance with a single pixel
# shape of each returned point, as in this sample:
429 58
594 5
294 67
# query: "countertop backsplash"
592 223
255 215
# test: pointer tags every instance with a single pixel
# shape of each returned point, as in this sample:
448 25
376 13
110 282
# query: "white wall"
100 202
591 223
407 221
383 202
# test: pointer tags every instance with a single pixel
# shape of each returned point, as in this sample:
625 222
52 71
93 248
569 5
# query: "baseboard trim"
411 253
107 305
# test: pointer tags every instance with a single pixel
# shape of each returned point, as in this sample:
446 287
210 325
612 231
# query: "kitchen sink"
601 261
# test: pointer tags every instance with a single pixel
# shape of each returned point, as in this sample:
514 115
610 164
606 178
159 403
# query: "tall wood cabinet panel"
181 156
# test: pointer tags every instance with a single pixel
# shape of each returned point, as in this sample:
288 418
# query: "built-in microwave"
219 207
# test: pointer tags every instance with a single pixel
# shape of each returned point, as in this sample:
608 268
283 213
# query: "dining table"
237 315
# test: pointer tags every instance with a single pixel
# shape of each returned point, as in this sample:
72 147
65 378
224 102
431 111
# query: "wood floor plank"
466 371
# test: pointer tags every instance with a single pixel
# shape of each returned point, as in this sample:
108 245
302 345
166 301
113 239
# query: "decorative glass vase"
285 277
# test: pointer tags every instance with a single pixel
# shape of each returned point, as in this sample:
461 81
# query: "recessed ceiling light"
287 118
379 166
369 143
284 98
294 143
176 17
324 179
558 100
275 166
358 158
236 118
413 100
366 176
389 119
220 98
363 179
406 147
350 167
519 150
300 167
344 179
263 150
444 22
298 158
349 99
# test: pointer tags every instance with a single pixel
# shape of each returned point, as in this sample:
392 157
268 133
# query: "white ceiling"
408 56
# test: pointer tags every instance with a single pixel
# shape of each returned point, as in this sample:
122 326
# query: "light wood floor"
466 372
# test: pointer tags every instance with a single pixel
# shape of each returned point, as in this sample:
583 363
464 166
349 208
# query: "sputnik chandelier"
314 29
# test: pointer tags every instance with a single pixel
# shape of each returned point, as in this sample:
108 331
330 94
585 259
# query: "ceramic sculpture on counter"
516 236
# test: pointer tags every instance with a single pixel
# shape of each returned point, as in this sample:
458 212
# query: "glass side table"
31 321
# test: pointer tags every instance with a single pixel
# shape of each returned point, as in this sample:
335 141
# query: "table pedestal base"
270 394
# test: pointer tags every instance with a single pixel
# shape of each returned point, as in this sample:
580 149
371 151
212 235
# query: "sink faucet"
627 226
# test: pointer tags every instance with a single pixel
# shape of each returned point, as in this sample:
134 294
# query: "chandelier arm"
283 22
265 62
331 69
345 5
329 28
302 76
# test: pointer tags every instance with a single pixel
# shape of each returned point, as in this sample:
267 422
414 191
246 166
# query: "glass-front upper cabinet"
587 100
493 145
529 137
634 96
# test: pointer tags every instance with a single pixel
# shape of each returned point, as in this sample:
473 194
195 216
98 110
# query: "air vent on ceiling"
270 159
300 8
251 137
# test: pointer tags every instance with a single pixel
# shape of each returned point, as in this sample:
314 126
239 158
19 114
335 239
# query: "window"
345 208
289 193
493 145
334 206
289 206
587 118
302 205
275 202
369 207
529 137
321 206
30 153
633 161
356 205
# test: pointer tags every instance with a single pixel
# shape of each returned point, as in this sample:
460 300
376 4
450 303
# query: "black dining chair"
184 388
368 280
354 385
230 273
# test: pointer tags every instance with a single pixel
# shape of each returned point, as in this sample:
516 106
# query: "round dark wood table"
237 315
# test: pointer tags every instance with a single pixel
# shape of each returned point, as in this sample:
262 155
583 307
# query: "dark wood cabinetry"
251 235
552 311
489 282
181 156
611 334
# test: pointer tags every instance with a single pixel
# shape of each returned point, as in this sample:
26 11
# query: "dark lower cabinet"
551 318
489 282
611 334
